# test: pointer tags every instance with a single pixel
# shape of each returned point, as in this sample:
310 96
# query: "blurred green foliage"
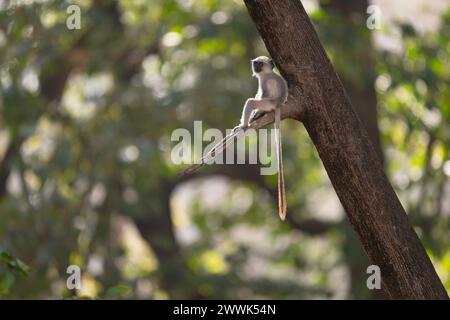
86 177
10 268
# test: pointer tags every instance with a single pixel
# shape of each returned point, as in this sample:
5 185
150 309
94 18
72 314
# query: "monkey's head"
262 64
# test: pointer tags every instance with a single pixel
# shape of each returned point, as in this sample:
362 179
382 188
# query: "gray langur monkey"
272 94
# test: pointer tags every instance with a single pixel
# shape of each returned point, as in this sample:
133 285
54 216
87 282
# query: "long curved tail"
282 207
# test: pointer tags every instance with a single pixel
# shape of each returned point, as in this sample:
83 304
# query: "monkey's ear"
272 63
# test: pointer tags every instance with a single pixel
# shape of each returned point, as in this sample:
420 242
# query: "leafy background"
86 178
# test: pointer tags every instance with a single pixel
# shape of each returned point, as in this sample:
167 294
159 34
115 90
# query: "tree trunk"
360 89
359 85
353 167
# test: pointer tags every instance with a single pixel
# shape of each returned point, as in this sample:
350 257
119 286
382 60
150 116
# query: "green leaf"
116 292
15 265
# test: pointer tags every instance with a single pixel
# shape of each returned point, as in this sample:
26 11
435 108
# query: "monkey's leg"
264 105
248 109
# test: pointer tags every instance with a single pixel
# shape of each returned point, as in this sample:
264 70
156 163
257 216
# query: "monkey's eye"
258 63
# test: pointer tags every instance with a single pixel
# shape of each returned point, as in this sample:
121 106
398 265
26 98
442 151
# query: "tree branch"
292 109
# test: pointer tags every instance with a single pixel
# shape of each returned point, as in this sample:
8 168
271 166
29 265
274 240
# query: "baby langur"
272 94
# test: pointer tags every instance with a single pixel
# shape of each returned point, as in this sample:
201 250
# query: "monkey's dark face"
257 66
262 65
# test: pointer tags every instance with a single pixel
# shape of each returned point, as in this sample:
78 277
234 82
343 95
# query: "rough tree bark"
361 93
353 167
350 15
